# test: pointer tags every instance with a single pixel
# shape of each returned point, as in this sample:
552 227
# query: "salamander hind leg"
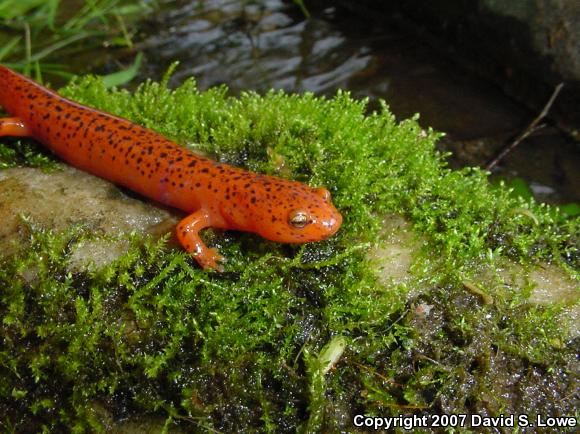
14 127
188 235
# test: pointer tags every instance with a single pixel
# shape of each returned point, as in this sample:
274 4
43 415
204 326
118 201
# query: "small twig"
530 129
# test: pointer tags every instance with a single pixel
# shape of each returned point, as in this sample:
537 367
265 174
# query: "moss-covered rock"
293 337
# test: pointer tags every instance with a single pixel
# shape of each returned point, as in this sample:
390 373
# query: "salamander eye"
298 219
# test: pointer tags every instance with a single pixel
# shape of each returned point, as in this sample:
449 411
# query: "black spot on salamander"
58 108
163 155
46 116
88 125
100 128
192 163
198 184
204 170
253 200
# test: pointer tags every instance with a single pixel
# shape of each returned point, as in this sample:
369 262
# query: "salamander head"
286 212
311 217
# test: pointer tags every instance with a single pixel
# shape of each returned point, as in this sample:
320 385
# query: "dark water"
270 44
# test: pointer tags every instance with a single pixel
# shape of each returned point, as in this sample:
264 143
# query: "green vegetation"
520 188
37 35
291 336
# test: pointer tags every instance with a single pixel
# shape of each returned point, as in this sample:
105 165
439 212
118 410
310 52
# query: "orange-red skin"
215 194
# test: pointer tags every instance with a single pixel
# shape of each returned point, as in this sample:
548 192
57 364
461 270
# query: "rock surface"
61 199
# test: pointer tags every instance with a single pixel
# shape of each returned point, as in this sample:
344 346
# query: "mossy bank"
292 337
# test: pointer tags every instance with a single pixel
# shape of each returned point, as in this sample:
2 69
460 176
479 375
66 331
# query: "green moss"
236 351
25 152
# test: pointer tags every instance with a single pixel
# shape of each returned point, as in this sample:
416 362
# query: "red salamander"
213 194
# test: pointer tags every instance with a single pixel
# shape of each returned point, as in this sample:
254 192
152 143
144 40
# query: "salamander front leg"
188 235
14 127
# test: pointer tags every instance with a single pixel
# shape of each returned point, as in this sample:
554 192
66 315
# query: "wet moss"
241 350
24 152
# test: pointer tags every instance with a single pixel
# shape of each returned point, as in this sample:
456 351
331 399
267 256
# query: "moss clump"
239 351
19 152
